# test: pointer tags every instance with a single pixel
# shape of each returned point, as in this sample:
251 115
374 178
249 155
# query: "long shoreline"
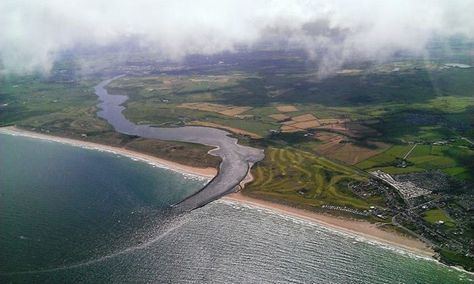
207 173
359 228
362 229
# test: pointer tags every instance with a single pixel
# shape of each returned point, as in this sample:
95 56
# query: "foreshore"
359 228
362 229
203 172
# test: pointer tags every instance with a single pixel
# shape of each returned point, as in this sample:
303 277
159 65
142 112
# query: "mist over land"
34 34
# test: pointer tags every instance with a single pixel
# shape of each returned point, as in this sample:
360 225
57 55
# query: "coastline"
235 158
362 229
359 228
207 173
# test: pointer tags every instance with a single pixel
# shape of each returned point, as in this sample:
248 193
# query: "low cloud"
33 33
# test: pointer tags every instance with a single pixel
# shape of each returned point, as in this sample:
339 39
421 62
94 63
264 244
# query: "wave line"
100 259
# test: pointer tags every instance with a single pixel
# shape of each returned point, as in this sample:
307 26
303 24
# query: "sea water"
69 214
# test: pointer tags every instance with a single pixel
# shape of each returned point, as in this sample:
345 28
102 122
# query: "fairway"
293 175
436 216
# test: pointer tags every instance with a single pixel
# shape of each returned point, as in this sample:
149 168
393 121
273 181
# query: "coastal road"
236 159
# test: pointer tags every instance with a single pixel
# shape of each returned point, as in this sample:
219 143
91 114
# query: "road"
409 152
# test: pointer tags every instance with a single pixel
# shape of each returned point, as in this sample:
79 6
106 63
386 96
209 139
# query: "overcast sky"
33 32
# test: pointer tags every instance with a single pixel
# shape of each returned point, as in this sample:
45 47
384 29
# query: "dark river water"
236 159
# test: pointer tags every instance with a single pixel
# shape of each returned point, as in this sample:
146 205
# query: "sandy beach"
204 172
360 228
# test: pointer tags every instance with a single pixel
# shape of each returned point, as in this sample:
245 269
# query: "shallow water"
74 215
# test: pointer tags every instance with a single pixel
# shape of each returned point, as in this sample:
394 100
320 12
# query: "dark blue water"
61 204
71 215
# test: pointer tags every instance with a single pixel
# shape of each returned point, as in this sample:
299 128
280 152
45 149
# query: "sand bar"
203 172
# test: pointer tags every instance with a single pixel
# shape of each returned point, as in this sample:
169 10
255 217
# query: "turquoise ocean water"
69 214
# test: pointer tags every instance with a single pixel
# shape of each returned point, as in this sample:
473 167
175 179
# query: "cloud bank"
32 33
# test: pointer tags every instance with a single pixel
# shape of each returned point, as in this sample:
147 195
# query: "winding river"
236 159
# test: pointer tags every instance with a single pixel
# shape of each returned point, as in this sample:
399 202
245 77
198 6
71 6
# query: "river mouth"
236 159
132 236
84 206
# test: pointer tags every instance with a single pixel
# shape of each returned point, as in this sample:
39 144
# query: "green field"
25 97
380 114
291 175
68 109
451 159
433 216
422 103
